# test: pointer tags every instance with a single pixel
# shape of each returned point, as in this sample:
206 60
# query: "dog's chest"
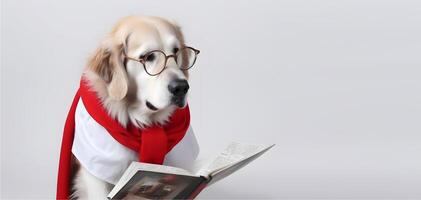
97 151
105 158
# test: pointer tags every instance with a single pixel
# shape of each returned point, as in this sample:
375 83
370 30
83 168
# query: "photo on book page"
155 185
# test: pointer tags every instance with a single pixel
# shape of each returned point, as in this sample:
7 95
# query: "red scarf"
151 143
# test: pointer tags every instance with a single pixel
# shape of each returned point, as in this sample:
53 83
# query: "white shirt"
107 159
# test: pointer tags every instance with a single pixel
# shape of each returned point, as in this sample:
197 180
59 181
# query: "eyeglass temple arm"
138 60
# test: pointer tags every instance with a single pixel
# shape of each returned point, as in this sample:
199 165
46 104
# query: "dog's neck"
127 110
142 116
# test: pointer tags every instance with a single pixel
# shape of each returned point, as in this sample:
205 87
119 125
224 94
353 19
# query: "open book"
149 181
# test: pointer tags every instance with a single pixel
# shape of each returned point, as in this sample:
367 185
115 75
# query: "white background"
335 84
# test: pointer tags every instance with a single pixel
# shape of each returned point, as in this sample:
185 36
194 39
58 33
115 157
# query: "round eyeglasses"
155 61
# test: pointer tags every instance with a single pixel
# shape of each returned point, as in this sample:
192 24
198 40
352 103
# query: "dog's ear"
118 86
180 37
108 63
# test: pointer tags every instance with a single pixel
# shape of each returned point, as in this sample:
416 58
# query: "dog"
126 73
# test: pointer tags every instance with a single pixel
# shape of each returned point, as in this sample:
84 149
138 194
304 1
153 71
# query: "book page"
155 185
226 171
138 166
160 168
233 154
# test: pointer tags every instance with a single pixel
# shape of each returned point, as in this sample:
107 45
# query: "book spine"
198 190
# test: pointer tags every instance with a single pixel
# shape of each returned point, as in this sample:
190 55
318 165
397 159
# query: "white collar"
101 155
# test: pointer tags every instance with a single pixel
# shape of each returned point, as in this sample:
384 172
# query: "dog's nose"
178 87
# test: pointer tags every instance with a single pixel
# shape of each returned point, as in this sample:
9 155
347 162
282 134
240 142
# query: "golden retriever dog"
139 72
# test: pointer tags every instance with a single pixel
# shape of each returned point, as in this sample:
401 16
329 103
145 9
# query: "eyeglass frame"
142 60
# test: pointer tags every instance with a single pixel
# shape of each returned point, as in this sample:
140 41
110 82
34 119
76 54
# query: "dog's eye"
150 57
175 50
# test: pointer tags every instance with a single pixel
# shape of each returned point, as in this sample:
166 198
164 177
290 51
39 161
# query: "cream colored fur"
124 89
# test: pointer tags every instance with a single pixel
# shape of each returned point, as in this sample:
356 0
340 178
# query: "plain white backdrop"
335 84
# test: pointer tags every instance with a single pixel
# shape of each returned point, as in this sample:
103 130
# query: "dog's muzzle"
178 88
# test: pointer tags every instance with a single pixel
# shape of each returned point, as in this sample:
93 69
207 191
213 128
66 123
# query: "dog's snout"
178 87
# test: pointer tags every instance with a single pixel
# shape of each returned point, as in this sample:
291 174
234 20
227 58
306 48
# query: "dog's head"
143 62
